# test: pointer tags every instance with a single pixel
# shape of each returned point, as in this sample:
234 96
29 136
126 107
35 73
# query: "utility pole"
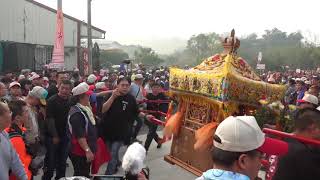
89 38
59 4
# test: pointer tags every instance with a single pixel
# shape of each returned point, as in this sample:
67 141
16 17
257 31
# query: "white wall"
24 22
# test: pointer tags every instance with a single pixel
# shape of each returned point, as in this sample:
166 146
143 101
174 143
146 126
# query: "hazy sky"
137 21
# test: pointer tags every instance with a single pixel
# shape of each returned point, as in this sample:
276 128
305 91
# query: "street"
159 169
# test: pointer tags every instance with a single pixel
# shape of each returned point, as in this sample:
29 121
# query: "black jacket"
301 163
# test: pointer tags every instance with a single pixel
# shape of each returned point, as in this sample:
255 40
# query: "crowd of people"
48 117
51 116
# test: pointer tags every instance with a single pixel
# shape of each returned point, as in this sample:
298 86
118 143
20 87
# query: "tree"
278 48
203 45
112 57
147 56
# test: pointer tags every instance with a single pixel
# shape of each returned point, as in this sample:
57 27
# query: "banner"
58 50
261 66
85 61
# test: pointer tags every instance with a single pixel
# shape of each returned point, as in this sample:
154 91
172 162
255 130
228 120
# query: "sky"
149 21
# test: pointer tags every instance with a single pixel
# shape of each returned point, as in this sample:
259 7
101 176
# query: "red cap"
92 87
89 92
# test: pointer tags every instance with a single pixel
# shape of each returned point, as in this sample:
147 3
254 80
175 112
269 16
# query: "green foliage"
204 45
147 56
278 48
264 115
112 57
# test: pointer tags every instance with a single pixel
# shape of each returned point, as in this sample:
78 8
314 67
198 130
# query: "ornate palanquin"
222 85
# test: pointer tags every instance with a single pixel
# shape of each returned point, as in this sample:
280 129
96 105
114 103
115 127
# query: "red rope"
154 112
287 135
157 121
154 101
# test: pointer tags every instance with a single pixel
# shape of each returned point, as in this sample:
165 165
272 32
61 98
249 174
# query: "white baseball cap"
34 76
91 78
14 83
308 82
104 78
101 86
138 76
309 98
81 89
21 76
271 79
40 93
242 134
304 79
46 79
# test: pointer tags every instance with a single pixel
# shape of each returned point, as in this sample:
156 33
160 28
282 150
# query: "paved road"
159 169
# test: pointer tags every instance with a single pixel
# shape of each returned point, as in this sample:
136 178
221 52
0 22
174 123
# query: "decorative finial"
231 43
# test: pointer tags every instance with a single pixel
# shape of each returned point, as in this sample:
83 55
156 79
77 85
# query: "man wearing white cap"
36 80
14 92
82 129
35 99
239 145
100 87
91 79
308 101
136 90
45 83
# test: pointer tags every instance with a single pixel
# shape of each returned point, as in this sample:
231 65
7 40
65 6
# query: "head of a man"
5 116
299 85
315 81
19 111
91 79
37 81
60 77
307 123
15 89
156 89
239 145
37 96
292 82
65 89
151 81
123 85
138 79
314 90
45 81
308 101
53 75
81 94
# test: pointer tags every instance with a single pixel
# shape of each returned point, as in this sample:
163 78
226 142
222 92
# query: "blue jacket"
218 174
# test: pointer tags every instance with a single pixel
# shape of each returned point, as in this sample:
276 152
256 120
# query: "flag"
100 157
58 49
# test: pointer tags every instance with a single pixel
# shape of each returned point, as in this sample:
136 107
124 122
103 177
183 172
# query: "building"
27 31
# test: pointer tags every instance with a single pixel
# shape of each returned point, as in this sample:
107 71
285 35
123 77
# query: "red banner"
58 50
